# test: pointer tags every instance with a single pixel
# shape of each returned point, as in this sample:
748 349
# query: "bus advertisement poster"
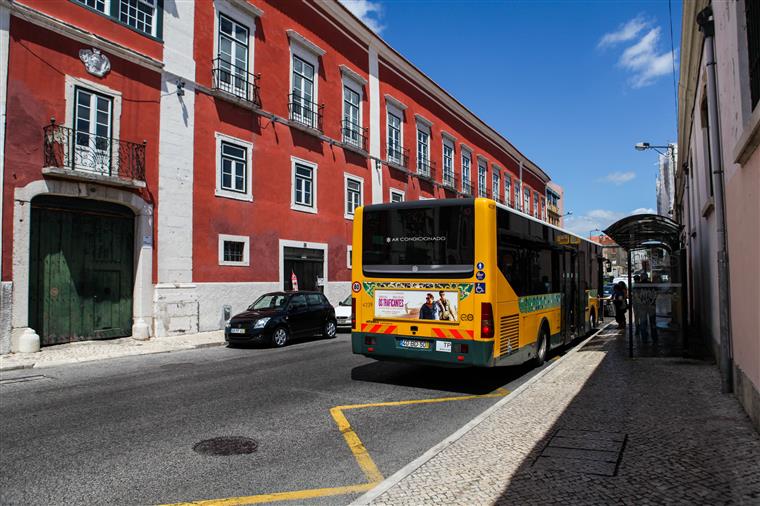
416 305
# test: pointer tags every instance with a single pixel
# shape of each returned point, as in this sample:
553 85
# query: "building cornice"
294 36
397 63
42 20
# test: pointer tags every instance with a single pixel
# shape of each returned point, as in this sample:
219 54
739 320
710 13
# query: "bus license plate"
414 343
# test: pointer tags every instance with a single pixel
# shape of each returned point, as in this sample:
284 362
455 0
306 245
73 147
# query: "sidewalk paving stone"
678 439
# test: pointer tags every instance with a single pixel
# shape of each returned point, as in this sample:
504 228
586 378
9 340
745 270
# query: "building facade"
555 205
717 182
665 184
166 162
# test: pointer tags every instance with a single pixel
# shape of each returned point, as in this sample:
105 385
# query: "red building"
228 142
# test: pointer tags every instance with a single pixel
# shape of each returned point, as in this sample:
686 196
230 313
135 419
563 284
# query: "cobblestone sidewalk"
98 350
598 429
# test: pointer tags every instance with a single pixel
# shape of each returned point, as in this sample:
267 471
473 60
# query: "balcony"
85 156
354 136
305 114
425 168
450 181
398 157
551 208
235 82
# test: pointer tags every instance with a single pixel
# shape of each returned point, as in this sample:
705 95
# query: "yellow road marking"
367 465
282 496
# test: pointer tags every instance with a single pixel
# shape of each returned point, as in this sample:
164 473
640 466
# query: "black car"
278 317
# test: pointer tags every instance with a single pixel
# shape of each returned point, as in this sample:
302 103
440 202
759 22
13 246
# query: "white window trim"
358 179
229 194
311 57
495 178
349 73
392 108
293 205
74 82
349 257
297 38
391 191
447 140
235 10
423 120
449 137
466 152
356 87
246 240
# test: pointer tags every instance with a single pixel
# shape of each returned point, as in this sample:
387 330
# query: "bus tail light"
353 313
369 340
486 320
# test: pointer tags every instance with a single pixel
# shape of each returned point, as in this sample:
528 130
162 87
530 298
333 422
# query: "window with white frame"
526 201
303 106
466 162
139 14
233 168
543 208
396 195
349 257
482 175
448 163
304 191
535 204
354 194
352 127
423 150
395 142
234 250
495 184
232 64
508 189
518 198
93 123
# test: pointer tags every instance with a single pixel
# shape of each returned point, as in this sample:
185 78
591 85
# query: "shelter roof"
645 230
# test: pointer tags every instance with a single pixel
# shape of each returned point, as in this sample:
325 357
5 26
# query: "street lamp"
566 214
643 146
671 154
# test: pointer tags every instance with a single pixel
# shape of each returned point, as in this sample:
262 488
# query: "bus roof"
453 202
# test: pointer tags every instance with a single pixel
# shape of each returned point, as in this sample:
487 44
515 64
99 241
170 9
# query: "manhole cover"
230 445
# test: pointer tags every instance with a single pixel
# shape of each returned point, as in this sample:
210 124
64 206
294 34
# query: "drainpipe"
706 24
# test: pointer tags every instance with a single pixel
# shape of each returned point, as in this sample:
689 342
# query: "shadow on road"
472 381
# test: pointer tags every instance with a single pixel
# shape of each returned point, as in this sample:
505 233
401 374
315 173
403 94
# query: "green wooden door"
81 275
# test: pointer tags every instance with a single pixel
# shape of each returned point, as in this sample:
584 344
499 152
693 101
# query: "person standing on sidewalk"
619 298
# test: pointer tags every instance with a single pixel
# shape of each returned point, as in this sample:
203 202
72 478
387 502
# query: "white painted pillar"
142 298
5 20
376 167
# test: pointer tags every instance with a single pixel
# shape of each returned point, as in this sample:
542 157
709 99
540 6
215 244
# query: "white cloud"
642 59
618 178
624 33
600 219
369 11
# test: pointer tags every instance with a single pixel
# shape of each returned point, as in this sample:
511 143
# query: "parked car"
609 310
343 313
278 317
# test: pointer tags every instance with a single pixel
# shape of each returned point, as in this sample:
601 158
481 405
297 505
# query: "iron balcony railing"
497 198
467 188
484 192
66 148
450 180
235 81
303 112
398 156
425 167
354 134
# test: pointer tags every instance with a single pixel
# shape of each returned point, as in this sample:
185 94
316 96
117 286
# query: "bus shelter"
656 283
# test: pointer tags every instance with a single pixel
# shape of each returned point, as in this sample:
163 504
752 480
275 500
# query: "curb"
408 469
16 367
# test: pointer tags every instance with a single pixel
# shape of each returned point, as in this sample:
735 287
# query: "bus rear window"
419 241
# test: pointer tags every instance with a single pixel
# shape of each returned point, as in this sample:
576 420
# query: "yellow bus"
468 282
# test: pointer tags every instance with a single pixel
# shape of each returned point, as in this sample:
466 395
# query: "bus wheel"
543 347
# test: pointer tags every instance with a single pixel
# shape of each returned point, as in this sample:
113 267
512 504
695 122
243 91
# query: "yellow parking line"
282 496
367 465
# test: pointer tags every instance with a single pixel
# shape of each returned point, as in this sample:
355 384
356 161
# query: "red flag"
294 281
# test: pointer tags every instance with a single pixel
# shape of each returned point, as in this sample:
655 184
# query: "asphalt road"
123 431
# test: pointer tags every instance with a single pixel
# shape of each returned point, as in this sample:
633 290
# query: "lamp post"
670 152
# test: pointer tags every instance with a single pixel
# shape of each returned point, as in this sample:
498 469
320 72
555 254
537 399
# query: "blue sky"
574 85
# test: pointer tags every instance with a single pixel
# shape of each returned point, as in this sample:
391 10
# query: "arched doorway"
81 275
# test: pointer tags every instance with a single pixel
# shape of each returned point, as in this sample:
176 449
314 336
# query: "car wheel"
280 337
543 348
330 329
